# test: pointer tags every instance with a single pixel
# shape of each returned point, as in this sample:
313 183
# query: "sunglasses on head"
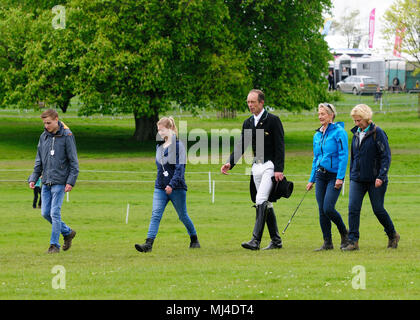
328 106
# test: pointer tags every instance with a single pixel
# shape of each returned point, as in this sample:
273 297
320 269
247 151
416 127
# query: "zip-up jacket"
331 150
370 159
171 160
56 158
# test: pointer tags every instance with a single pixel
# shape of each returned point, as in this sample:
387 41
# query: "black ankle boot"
145 247
261 215
276 242
252 244
194 242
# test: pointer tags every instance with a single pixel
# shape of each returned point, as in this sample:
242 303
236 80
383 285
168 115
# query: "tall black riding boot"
261 215
276 242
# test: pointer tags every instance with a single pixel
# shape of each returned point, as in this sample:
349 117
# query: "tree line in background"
401 19
404 15
141 57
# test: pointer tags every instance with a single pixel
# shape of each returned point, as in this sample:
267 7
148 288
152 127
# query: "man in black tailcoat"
265 132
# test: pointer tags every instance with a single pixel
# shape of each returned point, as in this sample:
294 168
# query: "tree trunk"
145 127
67 97
226 114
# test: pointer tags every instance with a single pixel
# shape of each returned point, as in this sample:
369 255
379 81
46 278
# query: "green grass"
103 264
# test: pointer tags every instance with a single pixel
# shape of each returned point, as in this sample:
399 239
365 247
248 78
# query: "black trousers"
37 191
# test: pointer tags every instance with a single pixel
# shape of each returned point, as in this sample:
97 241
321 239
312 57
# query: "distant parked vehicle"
400 75
358 85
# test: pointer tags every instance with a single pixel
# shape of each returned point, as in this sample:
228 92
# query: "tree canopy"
405 15
142 56
349 26
288 55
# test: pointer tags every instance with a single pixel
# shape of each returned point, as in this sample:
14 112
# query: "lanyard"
52 147
165 173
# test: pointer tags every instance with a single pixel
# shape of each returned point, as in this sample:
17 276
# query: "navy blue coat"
372 159
172 160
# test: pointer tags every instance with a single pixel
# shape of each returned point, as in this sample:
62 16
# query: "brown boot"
393 241
68 239
344 239
53 249
351 246
327 245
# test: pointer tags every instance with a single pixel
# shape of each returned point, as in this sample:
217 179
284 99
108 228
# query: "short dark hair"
49 113
261 95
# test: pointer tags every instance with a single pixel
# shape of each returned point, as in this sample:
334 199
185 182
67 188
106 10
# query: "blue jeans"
376 195
52 199
327 196
178 197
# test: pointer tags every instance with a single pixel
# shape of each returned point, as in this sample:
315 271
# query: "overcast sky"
365 7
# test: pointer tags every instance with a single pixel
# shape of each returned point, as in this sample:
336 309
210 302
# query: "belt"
323 170
48 184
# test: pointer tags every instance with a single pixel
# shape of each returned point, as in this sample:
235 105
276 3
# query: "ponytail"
168 122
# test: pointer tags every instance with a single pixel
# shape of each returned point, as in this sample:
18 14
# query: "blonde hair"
363 111
329 108
169 123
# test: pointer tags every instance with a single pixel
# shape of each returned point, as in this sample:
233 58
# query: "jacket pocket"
63 169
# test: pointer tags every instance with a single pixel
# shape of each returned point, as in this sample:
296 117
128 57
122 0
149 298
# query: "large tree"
28 73
15 31
138 57
288 55
142 56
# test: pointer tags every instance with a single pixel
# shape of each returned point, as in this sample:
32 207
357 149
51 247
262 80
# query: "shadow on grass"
19 139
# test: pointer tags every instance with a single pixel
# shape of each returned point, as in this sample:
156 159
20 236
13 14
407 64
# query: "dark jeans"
376 195
327 196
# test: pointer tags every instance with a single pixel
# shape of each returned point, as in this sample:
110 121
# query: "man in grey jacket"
57 162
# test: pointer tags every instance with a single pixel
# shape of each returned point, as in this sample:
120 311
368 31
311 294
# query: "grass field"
116 171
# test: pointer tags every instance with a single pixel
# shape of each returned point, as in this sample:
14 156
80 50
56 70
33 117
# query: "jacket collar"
262 119
332 126
371 129
59 132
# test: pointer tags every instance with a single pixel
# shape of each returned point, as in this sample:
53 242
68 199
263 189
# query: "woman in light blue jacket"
330 147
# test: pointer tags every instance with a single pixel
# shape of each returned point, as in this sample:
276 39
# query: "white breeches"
262 173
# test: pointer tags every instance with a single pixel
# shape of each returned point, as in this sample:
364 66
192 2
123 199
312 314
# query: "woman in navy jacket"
330 147
170 183
369 166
